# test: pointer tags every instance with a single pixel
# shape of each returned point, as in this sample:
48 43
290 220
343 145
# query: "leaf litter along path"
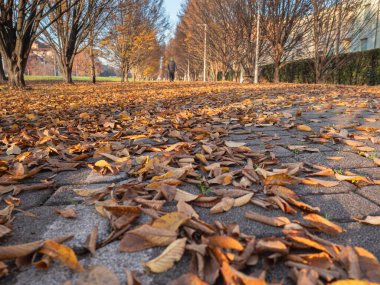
179 183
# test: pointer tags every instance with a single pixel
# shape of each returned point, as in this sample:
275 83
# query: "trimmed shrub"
359 68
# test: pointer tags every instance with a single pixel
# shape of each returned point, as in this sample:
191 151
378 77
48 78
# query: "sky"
172 8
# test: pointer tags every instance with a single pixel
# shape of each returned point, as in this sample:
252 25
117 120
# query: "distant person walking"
172 67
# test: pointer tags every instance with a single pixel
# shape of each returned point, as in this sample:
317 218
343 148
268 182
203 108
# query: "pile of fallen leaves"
168 140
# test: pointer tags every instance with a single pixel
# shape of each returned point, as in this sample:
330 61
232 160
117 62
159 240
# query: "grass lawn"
75 78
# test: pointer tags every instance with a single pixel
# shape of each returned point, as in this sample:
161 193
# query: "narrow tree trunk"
93 69
3 78
276 76
68 73
318 75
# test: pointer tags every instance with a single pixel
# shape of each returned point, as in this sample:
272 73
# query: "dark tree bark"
20 25
3 78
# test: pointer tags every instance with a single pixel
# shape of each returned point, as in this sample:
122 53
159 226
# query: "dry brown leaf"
272 245
187 209
234 144
272 221
353 143
371 220
155 236
188 279
281 179
4 231
336 158
352 282
98 275
319 182
283 192
243 200
171 221
353 178
304 128
168 257
225 242
323 224
68 213
91 240
224 205
19 250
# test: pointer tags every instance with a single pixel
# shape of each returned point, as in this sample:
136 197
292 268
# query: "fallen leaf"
243 200
68 213
62 253
304 128
97 275
234 144
168 257
225 242
371 220
272 221
224 205
281 179
323 224
188 279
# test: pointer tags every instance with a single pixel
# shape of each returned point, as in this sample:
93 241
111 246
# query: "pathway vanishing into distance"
270 129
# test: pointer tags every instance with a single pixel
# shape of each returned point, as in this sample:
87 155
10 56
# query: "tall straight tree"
136 28
20 25
283 27
69 35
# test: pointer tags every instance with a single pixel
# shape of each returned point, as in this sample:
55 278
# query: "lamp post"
256 80
205 52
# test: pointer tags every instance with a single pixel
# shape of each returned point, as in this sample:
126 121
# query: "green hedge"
359 68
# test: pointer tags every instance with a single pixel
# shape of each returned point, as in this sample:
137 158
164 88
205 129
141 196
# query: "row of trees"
289 30
127 33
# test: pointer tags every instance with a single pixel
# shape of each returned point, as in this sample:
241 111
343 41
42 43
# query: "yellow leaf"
102 163
168 257
225 242
62 253
171 221
304 128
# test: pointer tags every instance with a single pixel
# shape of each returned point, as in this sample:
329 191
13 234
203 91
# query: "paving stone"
80 176
358 234
237 216
110 257
343 206
350 160
65 195
55 275
48 224
31 199
86 176
373 173
305 190
371 193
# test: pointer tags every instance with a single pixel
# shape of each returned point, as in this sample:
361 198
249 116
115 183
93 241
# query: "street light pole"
256 80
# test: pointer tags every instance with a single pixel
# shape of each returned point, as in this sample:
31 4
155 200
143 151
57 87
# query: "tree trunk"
276 76
3 78
93 69
16 69
68 74
318 75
